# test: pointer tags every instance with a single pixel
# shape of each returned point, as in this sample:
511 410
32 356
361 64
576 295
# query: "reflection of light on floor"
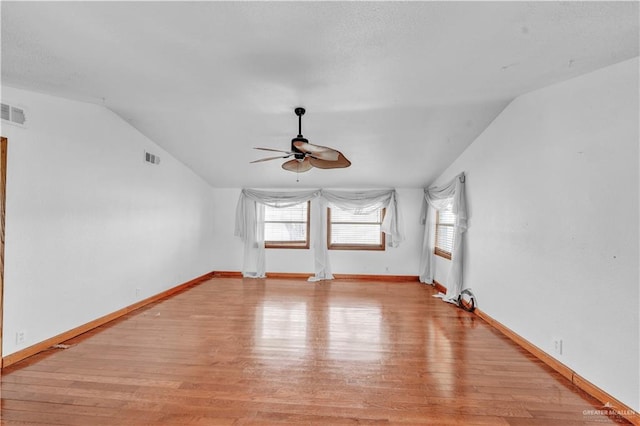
281 326
440 364
355 333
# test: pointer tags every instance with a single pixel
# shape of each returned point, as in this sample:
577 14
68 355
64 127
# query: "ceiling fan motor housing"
298 154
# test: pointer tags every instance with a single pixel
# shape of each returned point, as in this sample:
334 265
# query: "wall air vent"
151 158
13 115
6 112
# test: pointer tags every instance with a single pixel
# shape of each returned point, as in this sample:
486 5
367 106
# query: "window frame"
438 251
272 244
374 247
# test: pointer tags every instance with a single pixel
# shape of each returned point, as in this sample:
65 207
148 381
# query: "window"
349 231
445 221
287 227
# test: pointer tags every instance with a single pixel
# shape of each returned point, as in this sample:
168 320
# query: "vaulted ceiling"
401 88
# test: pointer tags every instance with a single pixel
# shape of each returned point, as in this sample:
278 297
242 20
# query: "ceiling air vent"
13 114
151 158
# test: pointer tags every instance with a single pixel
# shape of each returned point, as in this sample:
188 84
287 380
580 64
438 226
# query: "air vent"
6 112
13 114
151 158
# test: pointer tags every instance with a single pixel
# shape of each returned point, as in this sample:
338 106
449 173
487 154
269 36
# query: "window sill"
286 246
442 253
355 247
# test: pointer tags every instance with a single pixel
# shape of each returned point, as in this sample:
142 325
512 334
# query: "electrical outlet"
557 346
20 337
137 292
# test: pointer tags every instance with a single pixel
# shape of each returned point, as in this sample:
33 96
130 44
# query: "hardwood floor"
233 351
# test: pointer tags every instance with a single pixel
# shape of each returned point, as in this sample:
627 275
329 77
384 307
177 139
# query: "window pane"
356 234
351 231
338 215
444 238
446 216
444 231
297 213
276 231
287 227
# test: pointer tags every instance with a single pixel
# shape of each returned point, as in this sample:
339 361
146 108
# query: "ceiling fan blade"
297 166
274 150
341 162
271 158
320 152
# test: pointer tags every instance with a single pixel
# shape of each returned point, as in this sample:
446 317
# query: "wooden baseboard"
610 403
227 274
386 278
304 276
46 344
528 346
62 337
279 275
439 287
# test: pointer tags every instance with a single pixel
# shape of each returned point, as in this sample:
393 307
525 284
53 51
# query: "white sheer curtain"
321 261
438 198
252 234
250 222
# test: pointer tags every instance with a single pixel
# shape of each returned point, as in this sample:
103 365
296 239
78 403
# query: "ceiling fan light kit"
305 155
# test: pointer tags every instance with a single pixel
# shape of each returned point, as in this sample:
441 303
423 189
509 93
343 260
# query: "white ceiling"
401 88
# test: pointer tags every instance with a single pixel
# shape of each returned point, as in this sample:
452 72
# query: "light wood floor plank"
282 351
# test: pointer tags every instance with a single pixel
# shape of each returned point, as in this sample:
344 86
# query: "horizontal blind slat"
286 224
297 213
355 234
338 215
445 230
348 228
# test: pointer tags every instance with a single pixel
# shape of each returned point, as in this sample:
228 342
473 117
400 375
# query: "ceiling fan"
306 155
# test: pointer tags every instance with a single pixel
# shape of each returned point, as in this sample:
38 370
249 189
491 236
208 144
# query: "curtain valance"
278 199
365 202
281 198
249 224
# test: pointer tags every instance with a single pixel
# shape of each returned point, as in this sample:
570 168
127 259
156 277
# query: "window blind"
286 225
444 231
350 230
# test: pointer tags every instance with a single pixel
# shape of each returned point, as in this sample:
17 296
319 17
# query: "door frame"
3 187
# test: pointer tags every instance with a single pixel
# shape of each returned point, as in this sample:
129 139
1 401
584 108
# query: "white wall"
88 221
552 246
403 260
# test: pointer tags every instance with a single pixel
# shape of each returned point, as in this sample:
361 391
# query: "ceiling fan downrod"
299 155
299 112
